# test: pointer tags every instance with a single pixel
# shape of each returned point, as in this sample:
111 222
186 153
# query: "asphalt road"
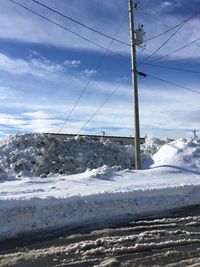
170 241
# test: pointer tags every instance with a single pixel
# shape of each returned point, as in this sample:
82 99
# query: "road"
170 241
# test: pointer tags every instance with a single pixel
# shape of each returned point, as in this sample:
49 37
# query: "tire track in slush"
172 241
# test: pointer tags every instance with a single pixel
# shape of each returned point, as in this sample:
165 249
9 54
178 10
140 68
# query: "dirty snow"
154 242
97 195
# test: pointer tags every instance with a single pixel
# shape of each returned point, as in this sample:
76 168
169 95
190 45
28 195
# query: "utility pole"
135 87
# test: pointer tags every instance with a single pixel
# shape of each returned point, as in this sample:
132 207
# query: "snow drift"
182 153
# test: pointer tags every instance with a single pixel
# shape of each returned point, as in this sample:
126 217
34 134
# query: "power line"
177 50
80 23
163 33
78 100
171 68
68 30
183 22
183 37
173 27
90 118
55 23
89 81
148 57
181 25
172 83
101 106
63 27
107 99
117 87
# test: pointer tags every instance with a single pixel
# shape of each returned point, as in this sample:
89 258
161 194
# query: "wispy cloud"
30 121
29 28
89 73
165 4
37 115
40 67
11 120
161 116
167 111
72 63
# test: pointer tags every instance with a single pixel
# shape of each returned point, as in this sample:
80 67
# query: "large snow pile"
20 155
182 153
153 144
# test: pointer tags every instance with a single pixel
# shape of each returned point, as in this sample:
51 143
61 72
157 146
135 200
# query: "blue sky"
44 68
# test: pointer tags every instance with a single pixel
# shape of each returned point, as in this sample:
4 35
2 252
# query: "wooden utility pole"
135 87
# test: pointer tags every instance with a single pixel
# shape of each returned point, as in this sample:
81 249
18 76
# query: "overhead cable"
163 44
174 27
175 51
101 106
90 79
80 23
170 68
172 83
67 116
63 27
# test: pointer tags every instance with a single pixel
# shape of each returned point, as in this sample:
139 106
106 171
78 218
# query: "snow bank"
182 153
28 206
20 155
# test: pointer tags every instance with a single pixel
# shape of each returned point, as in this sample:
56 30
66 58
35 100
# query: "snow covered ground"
102 194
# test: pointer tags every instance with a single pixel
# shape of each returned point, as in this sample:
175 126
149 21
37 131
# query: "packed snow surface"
101 194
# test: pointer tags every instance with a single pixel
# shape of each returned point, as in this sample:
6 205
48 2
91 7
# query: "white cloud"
40 125
72 63
40 67
19 24
37 115
161 108
89 73
11 120
165 4
30 121
161 114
